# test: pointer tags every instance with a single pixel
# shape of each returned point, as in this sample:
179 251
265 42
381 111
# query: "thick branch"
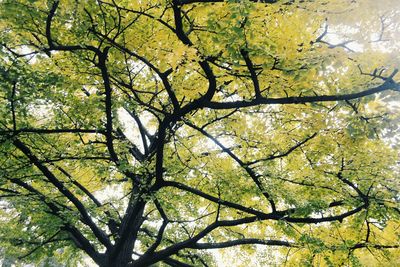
167 252
108 104
52 44
129 228
253 73
180 33
163 75
50 131
387 85
102 237
81 241
80 186
244 241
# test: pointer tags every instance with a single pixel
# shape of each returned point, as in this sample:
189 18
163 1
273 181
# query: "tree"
156 132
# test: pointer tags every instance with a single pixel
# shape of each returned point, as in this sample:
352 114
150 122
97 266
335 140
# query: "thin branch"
212 198
186 2
160 233
47 241
249 171
287 152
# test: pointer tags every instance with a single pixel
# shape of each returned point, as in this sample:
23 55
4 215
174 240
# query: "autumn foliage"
199 133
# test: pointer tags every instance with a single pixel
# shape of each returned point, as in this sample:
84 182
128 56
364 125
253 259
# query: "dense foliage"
199 133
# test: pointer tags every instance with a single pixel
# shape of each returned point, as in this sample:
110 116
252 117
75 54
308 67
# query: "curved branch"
163 75
212 83
244 241
52 44
250 67
173 249
389 84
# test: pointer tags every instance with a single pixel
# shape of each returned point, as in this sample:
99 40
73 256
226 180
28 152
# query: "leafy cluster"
137 133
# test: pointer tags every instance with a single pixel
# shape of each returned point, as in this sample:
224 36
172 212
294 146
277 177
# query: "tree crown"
156 132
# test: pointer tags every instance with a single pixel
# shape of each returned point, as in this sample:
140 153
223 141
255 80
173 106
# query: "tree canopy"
199 133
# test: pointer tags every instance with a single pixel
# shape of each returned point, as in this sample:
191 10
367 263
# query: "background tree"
154 132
